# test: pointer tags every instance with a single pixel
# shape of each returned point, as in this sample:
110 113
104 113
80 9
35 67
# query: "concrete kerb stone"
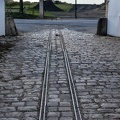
10 28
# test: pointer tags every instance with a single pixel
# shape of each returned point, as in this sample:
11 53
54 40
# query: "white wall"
114 18
2 17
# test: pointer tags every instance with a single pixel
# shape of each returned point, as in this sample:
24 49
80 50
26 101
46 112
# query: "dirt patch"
84 7
88 10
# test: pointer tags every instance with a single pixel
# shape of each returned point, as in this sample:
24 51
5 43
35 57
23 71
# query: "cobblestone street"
95 66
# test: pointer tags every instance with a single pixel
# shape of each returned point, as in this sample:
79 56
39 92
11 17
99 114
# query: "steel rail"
43 103
45 83
77 111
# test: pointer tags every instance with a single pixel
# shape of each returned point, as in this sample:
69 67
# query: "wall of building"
113 18
2 17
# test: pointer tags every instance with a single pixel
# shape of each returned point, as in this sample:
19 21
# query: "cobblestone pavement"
21 77
95 64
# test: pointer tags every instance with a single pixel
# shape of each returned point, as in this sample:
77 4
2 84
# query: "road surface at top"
74 24
79 22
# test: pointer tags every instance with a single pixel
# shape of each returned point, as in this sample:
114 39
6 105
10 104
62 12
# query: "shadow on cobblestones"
5 44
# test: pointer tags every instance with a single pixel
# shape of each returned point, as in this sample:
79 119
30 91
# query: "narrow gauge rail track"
45 82
74 99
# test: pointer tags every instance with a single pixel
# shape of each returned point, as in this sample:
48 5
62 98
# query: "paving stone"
112 116
35 103
54 100
52 118
53 114
66 118
32 114
1 115
109 105
53 109
97 116
90 106
13 114
8 109
27 108
52 104
64 109
64 104
18 104
67 114
9 119
30 99
30 118
117 110
105 110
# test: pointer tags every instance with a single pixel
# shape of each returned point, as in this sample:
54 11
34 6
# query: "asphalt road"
83 25
79 22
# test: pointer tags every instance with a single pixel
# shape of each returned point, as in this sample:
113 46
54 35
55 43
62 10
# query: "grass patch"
24 16
31 13
49 15
65 7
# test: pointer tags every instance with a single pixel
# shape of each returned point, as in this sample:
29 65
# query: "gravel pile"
49 6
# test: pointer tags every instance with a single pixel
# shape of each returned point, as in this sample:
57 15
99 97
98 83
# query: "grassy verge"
24 16
65 7
49 15
31 13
